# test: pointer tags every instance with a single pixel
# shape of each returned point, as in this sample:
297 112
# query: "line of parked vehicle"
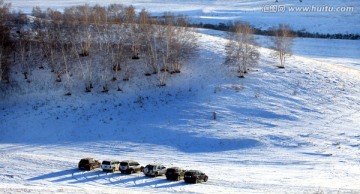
131 166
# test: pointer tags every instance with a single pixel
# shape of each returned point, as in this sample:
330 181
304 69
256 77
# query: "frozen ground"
215 11
292 130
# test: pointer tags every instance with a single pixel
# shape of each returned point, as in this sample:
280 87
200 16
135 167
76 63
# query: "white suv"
110 165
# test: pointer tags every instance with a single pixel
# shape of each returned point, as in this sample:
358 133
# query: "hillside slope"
289 130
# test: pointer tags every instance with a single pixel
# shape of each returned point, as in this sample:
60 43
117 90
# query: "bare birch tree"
118 51
5 42
107 59
184 44
65 50
54 41
84 21
283 40
241 50
115 13
147 35
165 42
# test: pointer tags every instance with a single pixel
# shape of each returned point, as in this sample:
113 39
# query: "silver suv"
130 166
154 170
110 165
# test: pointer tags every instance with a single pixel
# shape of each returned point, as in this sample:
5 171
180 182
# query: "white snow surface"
292 130
223 11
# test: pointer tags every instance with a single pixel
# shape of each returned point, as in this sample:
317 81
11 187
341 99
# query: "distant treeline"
299 33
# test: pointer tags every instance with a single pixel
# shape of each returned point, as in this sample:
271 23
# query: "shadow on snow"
76 176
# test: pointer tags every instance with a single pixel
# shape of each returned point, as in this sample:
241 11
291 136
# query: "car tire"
146 170
156 174
205 179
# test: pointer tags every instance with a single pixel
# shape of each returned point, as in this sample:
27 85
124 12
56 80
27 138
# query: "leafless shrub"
237 88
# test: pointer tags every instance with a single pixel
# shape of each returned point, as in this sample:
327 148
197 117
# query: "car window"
189 173
106 163
123 163
84 161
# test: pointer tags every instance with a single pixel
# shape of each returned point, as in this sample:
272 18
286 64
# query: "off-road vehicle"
130 166
195 176
88 164
154 170
110 165
175 173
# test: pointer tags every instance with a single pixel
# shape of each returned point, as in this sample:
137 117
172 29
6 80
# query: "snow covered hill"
323 16
292 130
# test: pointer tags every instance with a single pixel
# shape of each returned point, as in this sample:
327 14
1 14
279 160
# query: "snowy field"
216 11
292 130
